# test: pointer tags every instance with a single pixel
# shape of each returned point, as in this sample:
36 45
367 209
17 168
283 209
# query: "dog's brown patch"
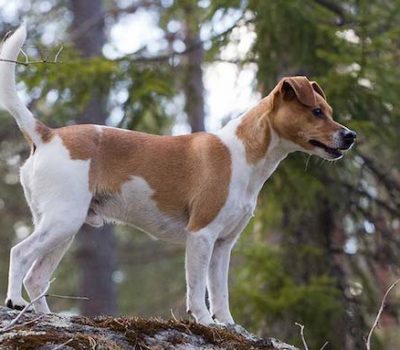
189 174
81 140
44 131
254 131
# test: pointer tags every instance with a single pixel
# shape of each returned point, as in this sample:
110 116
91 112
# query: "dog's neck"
255 146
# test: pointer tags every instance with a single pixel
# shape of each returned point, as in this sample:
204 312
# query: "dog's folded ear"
299 87
318 89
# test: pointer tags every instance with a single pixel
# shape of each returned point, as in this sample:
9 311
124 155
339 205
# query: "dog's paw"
16 304
205 319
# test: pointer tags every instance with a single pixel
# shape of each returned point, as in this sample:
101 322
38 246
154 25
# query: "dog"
199 189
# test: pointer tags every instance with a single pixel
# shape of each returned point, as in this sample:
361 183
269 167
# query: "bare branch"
29 62
324 346
25 55
378 316
304 339
395 211
58 53
66 297
144 59
235 61
166 57
302 335
42 61
382 175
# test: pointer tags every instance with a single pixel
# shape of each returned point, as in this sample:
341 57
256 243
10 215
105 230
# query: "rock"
45 332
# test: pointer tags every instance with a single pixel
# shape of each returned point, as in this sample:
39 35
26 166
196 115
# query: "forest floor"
55 332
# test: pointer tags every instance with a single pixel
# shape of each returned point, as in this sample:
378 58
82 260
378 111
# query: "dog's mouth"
334 152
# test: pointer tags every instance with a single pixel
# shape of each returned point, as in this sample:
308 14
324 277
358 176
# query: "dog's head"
301 115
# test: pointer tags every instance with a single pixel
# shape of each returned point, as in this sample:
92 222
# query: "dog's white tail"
8 92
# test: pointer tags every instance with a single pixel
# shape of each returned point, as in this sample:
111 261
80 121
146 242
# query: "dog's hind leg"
56 228
25 172
40 273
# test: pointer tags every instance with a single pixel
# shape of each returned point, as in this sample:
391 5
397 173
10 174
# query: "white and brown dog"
198 189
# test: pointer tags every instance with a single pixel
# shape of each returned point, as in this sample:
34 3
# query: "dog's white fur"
57 191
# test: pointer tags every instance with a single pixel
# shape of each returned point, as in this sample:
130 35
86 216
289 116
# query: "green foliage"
148 92
67 87
267 295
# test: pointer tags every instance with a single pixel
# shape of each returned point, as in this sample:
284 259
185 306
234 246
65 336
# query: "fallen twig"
378 316
173 316
44 294
25 323
25 309
60 346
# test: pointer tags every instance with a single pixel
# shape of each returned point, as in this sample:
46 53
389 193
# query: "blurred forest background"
325 242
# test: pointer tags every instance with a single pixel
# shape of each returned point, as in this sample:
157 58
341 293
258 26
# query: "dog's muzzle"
347 138
344 140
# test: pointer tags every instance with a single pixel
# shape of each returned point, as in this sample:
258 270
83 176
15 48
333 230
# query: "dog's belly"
134 206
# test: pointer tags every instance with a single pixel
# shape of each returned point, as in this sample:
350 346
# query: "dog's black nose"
348 137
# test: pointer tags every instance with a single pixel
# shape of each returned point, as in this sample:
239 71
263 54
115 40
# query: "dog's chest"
233 219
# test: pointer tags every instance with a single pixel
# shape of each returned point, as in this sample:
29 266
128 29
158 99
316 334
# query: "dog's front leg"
218 281
198 253
219 270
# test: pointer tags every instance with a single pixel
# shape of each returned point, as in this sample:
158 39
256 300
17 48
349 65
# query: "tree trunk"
194 87
96 251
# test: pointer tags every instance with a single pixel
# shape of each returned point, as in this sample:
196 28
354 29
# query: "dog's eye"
318 112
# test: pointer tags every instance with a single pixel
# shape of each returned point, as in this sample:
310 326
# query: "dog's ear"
300 88
318 89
